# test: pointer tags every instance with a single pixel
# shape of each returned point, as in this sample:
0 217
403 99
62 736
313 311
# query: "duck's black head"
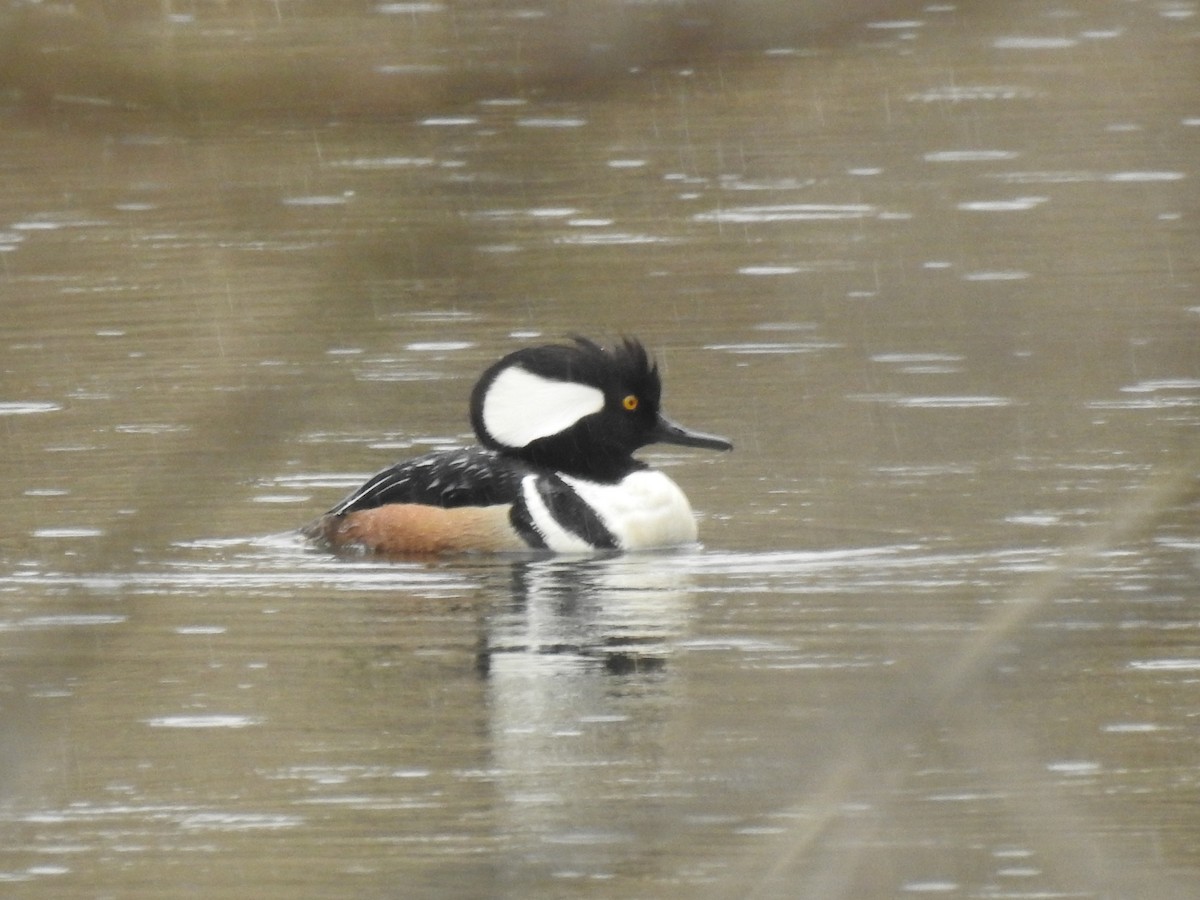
579 408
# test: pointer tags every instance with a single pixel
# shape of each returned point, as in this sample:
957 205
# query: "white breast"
643 511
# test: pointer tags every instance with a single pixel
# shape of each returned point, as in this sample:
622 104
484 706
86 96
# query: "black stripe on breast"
569 511
522 523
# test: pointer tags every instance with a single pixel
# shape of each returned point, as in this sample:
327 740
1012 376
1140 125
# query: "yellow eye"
630 402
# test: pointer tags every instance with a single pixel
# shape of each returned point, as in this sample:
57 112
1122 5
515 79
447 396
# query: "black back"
471 476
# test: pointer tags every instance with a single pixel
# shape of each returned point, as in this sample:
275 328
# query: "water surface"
932 269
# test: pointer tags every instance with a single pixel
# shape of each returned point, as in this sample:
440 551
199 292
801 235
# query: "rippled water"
932 269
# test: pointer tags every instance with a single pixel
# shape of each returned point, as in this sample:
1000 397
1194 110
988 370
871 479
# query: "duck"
553 471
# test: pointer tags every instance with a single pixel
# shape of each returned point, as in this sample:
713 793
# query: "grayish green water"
934 269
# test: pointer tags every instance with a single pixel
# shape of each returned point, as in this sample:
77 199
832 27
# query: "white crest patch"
644 511
520 407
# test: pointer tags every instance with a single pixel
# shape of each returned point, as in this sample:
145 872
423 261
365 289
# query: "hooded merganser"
559 424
